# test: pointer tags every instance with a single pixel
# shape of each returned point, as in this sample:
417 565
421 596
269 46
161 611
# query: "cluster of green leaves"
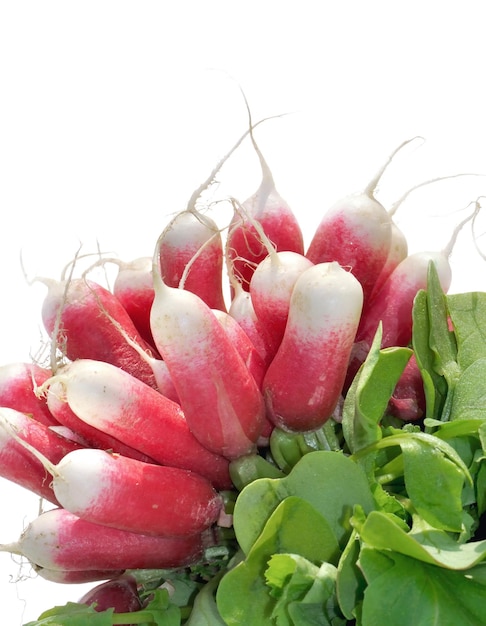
369 521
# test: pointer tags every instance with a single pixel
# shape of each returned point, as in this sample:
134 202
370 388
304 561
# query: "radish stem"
372 185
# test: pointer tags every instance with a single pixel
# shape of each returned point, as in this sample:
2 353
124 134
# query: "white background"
111 113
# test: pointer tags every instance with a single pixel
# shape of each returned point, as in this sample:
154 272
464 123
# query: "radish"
356 232
397 253
271 288
191 250
124 493
119 594
220 399
191 257
60 540
242 310
133 286
392 305
304 381
91 436
77 314
399 245
250 355
74 577
18 382
408 399
116 404
266 206
17 464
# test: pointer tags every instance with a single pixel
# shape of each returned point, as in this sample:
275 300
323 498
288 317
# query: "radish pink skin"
120 594
89 332
221 401
254 362
243 311
178 245
165 384
120 406
17 390
408 399
355 232
245 248
397 253
304 381
271 288
94 437
18 465
116 491
393 306
133 286
60 540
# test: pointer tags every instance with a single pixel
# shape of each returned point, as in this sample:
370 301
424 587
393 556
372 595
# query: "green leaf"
247 468
204 611
469 400
435 385
370 392
434 475
73 614
403 591
430 545
314 479
434 484
243 596
350 583
304 592
468 315
441 340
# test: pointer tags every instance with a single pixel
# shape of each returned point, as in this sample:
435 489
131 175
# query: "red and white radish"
120 594
116 404
124 493
133 286
244 245
392 305
243 311
18 384
271 288
77 313
17 464
191 257
191 252
220 399
60 540
408 399
91 436
356 232
250 355
399 244
304 381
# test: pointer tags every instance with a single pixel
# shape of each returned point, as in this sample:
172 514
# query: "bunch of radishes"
157 384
